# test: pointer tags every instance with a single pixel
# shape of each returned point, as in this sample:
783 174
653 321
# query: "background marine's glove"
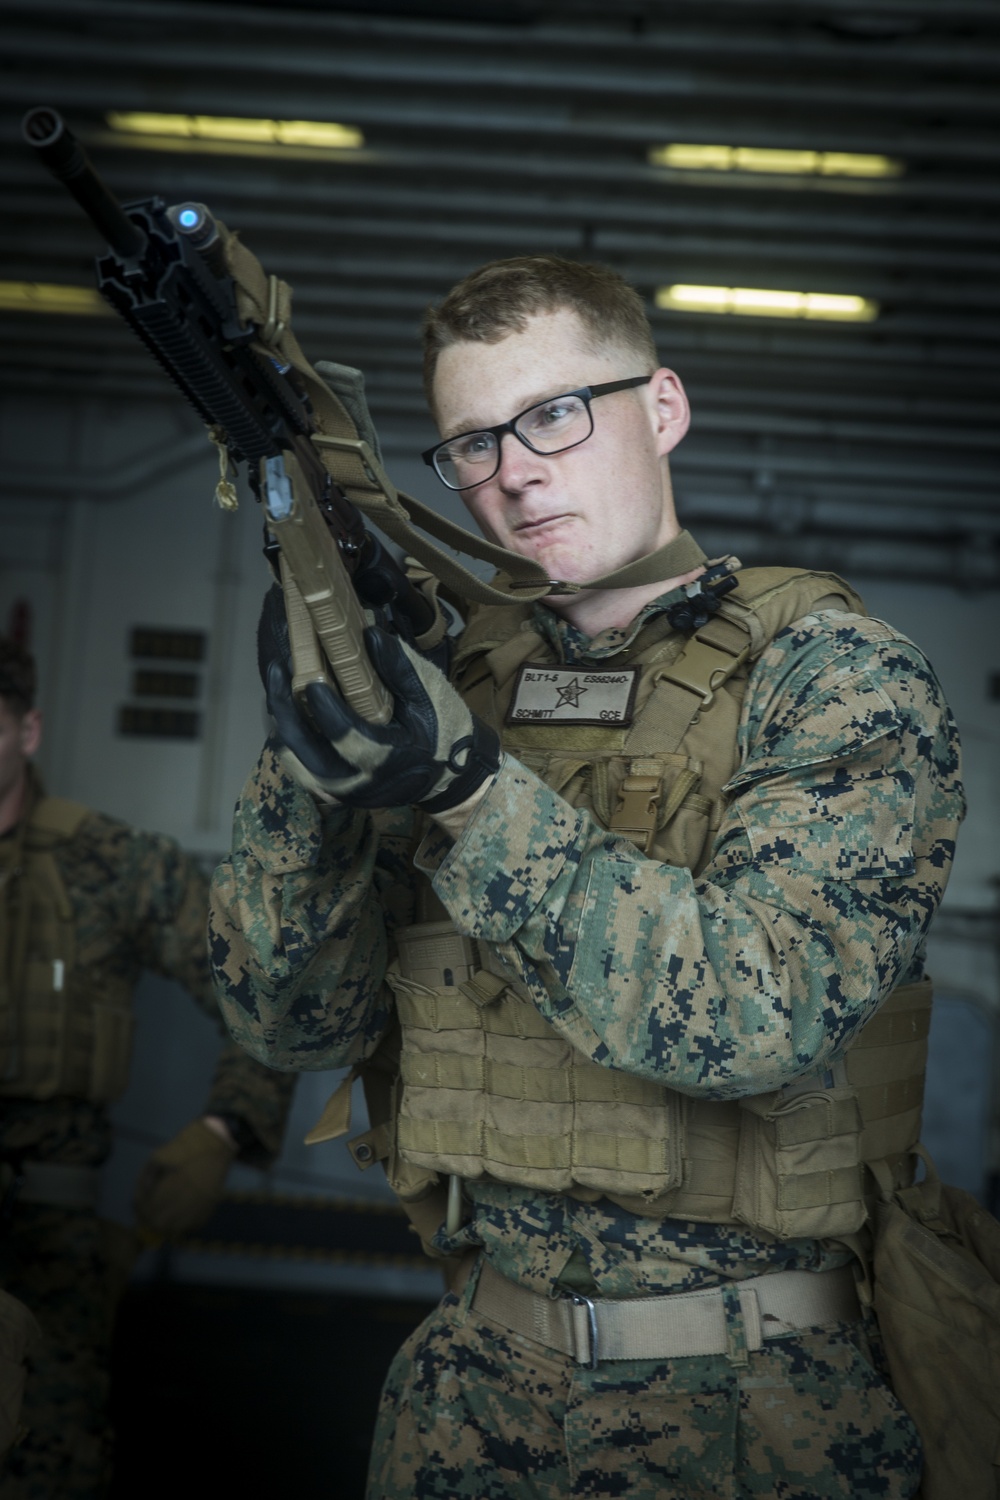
182 1182
434 752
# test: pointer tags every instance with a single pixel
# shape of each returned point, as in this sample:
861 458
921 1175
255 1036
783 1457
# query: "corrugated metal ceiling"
499 129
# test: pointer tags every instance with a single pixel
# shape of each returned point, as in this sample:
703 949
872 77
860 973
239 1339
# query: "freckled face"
595 507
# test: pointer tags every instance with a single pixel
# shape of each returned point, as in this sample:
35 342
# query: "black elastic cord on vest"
703 598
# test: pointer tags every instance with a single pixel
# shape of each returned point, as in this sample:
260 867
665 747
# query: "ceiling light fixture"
49 297
224 132
760 302
767 159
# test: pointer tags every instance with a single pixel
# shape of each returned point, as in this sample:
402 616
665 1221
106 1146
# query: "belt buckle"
580 1301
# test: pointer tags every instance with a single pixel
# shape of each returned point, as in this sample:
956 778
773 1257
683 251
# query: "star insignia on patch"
570 693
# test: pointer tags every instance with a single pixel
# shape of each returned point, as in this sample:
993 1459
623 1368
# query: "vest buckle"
702 668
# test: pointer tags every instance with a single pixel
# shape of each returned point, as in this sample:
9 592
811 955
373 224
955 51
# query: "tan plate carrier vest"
59 1034
477 1084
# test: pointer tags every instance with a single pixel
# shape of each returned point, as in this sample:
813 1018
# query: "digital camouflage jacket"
832 855
138 901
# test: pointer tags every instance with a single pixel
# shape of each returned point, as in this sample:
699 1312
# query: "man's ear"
31 732
672 414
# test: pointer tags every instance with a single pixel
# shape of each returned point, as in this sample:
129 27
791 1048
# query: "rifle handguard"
325 620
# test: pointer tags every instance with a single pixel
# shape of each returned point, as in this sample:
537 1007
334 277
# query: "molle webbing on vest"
56 1036
886 1067
507 1096
819 1132
490 1089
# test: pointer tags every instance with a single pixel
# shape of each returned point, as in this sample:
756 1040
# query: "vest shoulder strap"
764 602
767 600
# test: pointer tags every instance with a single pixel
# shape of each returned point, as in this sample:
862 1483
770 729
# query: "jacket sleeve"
170 894
832 856
302 913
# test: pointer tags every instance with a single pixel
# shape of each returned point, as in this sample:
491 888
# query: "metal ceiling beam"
399 190
658 31
454 63
358 317
486 138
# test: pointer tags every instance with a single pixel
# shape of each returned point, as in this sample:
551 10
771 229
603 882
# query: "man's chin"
562 564
576 587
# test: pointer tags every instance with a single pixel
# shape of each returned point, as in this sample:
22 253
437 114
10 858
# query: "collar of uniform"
36 789
571 645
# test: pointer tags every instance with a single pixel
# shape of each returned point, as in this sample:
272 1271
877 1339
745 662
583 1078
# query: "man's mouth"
537 523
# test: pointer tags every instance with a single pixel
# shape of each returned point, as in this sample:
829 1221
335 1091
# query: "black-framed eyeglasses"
548 427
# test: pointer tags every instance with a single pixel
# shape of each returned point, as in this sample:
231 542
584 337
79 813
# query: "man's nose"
519 465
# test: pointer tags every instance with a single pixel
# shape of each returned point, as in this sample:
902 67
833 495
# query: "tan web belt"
671 1326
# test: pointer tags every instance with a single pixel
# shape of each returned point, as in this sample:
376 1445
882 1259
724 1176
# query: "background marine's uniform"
131 900
827 846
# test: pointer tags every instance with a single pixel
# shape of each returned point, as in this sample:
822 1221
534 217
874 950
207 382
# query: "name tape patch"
573 695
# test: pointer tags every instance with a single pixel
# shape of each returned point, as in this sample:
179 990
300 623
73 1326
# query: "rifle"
166 272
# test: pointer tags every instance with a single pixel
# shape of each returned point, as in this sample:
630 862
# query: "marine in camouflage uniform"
725 981
137 902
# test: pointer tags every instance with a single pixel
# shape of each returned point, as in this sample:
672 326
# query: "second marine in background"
87 904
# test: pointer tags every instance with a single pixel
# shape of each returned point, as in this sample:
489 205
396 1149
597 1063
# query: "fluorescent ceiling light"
226 132
759 302
40 296
765 159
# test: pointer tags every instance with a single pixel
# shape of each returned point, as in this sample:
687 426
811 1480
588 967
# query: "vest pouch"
490 1089
799 1171
656 802
686 840
111 1053
35 1057
434 955
937 1301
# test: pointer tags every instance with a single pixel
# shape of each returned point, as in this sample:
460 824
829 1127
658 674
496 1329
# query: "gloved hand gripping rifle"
168 271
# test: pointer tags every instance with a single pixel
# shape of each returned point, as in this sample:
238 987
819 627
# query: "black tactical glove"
434 752
273 641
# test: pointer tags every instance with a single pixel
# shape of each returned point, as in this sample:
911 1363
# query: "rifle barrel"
44 129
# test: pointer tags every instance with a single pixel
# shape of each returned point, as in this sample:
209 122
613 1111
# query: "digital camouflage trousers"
471 1411
53 1259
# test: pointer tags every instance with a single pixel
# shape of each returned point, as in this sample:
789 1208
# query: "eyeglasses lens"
549 427
555 424
469 459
